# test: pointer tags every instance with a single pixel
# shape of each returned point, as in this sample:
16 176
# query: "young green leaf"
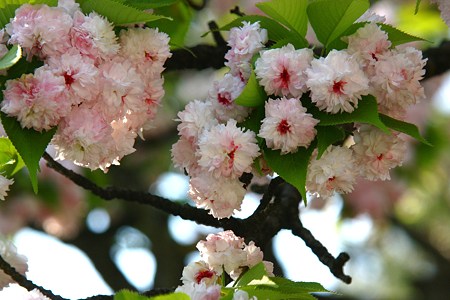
366 112
291 13
326 136
172 296
417 7
145 4
10 160
290 286
118 13
29 143
291 167
256 272
331 18
11 58
129 295
253 94
398 37
405 127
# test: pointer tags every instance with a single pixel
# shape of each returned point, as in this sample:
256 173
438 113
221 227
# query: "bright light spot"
249 204
192 257
442 96
183 231
138 265
173 186
129 237
357 230
68 271
98 220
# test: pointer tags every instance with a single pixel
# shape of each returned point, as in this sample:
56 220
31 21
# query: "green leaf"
145 4
291 13
367 112
405 127
398 37
129 295
291 167
417 7
118 13
256 272
10 160
177 31
172 296
253 94
11 58
29 143
326 136
275 30
331 18
290 286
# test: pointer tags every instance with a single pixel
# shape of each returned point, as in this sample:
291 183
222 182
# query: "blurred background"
397 232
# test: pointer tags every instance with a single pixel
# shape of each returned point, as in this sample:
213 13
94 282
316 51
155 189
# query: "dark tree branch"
196 6
24 282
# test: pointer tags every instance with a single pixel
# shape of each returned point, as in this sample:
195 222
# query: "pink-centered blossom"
184 156
222 96
287 126
227 150
40 30
220 196
199 272
5 183
334 171
337 82
376 152
196 117
282 71
9 253
145 46
396 80
37 101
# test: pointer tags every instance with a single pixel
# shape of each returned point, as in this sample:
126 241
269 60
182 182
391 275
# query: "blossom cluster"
100 90
221 252
9 253
215 148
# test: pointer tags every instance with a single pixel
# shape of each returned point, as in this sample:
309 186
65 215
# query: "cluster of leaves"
286 22
254 282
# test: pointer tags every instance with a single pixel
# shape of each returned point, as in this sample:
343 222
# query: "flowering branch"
24 282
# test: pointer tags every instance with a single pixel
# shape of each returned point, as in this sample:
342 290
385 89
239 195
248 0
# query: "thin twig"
24 282
196 6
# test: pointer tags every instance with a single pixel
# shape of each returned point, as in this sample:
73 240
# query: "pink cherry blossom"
376 152
85 137
70 6
9 253
145 45
444 7
396 81
5 183
220 196
226 150
336 82
94 36
199 272
333 171
37 101
40 30
287 126
282 71
184 156
200 291
222 96
196 117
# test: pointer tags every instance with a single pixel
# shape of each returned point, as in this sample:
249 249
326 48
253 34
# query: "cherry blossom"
444 7
199 272
333 172
376 152
227 150
281 71
287 126
196 117
184 156
9 253
220 196
5 183
336 82
200 291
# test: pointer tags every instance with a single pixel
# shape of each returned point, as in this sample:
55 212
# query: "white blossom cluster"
99 89
19 262
221 252
214 150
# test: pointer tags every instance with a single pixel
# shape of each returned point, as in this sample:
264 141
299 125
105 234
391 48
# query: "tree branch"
24 282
